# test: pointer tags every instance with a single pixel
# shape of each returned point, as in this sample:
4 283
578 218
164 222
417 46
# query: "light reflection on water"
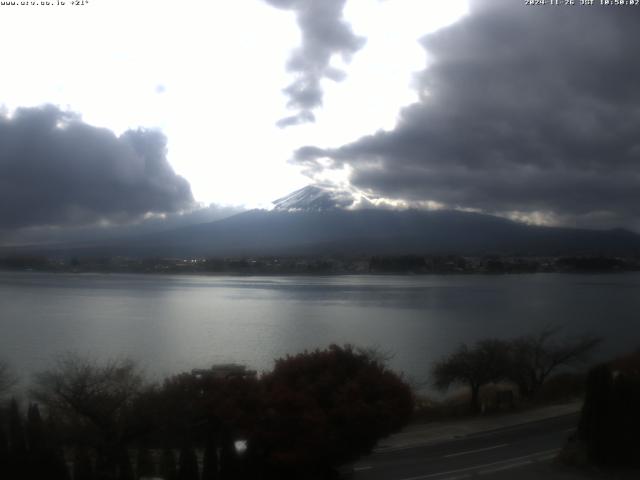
175 323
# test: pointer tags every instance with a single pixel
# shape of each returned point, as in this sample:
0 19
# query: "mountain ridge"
362 232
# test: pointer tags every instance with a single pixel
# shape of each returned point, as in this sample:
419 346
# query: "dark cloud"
324 34
528 109
56 170
300 118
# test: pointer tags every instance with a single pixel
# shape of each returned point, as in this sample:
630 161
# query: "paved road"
487 454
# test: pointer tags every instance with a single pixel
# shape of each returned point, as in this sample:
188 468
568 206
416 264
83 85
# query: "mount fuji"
315 221
313 198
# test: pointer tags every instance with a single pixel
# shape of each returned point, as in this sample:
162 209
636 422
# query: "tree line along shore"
327 265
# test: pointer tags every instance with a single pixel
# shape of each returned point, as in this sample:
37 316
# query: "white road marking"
505 467
363 467
411 446
425 443
505 464
467 452
518 464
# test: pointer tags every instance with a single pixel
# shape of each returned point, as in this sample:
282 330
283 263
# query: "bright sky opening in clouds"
210 75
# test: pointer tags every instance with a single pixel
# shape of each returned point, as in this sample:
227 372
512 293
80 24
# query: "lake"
175 323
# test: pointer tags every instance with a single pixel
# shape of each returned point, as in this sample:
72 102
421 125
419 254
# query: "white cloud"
220 67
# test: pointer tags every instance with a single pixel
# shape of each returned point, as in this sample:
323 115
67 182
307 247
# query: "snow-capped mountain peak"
314 198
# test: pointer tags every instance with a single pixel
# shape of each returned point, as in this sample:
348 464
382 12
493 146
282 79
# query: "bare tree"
377 354
93 399
474 366
534 357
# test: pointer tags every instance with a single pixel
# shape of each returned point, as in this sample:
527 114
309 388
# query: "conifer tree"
38 455
55 458
4 454
82 465
188 464
58 465
210 461
18 447
35 430
144 463
168 470
125 470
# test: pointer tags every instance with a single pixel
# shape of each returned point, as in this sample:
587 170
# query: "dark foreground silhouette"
312 413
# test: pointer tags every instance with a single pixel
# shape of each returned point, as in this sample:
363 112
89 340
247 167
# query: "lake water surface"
175 323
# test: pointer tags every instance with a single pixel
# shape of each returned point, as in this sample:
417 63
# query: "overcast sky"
119 111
